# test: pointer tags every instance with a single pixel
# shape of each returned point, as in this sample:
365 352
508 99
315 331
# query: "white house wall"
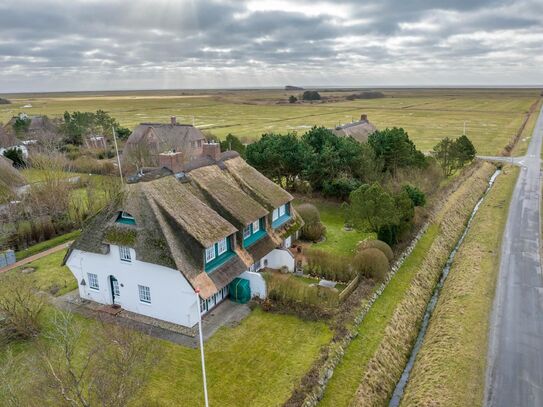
279 258
256 282
172 297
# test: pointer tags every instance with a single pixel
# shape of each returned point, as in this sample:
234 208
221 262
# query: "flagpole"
117 151
197 292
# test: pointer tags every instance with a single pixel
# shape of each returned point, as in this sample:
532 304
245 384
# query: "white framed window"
145 294
282 210
222 246
256 226
124 253
247 232
275 214
93 281
210 253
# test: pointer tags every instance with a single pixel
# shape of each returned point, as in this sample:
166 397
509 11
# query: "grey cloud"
131 42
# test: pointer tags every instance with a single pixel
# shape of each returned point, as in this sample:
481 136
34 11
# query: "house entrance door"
115 291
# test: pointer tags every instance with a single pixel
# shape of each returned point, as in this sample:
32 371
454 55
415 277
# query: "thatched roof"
178 216
265 191
359 130
225 195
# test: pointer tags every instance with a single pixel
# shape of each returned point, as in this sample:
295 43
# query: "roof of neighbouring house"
359 130
170 136
178 216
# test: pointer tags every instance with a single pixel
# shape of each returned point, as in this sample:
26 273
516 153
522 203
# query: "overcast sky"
48 45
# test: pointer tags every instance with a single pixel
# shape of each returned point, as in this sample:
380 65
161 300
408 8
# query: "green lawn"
257 363
40 247
346 379
338 240
49 274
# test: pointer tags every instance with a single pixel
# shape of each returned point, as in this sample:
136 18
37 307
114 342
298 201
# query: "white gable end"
144 288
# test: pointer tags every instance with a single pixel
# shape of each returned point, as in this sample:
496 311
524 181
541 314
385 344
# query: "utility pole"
117 151
197 292
464 133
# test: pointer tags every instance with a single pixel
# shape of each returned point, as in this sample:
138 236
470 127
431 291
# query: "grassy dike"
450 366
375 359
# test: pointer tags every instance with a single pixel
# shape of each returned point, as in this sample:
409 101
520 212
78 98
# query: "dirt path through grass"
37 256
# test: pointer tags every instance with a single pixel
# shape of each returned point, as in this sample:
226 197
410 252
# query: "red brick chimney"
212 149
171 160
173 120
363 117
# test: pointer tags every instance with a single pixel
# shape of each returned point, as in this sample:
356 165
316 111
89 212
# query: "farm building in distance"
215 224
148 140
359 130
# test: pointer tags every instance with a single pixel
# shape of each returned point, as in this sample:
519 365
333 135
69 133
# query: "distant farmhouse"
35 128
359 130
148 140
210 224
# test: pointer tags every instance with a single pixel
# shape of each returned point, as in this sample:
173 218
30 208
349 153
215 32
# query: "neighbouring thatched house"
359 130
208 229
148 140
36 127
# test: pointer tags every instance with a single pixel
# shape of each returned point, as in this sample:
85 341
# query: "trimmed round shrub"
313 232
309 213
376 244
371 263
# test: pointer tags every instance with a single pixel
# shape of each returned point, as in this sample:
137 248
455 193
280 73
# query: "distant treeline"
366 95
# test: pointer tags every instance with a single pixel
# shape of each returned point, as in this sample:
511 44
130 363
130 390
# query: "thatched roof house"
178 216
359 130
148 140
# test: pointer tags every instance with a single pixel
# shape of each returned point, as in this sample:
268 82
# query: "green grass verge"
342 387
40 247
450 366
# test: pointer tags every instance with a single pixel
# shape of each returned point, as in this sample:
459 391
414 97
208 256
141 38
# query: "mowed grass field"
492 116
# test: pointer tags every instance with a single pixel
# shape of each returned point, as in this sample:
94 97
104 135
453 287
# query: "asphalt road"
515 353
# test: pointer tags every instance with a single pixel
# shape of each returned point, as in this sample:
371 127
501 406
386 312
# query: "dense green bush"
329 266
313 230
416 195
371 263
309 213
340 187
376 244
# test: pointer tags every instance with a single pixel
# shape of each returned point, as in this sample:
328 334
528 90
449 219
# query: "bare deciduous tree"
20 307
111 372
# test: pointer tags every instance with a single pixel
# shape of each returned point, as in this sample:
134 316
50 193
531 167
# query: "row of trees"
77 125
333 165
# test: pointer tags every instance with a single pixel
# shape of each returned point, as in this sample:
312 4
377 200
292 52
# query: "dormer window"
218 253
254 232
125 218
281 215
